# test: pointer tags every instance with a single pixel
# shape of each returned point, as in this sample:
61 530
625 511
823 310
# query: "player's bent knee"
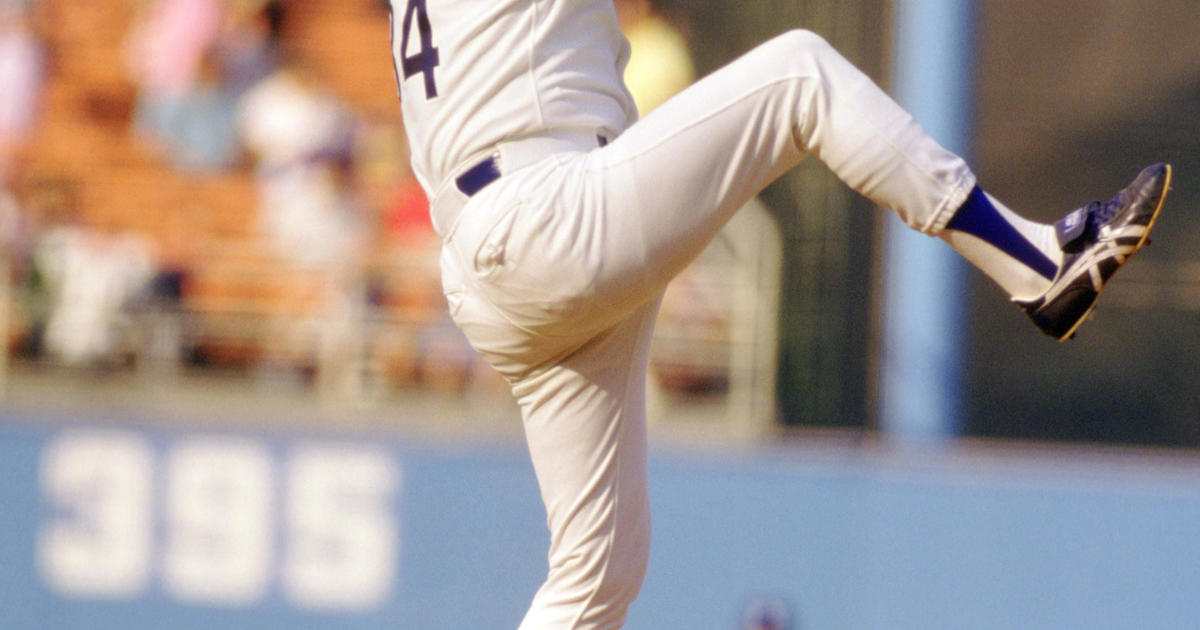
796 53
801 42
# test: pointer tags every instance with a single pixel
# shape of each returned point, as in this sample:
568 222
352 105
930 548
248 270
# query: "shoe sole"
1166 187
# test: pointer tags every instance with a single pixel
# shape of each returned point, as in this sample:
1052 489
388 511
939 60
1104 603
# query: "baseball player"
563 217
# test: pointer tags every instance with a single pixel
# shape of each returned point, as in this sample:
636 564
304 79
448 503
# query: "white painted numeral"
98 486
218 515
342 537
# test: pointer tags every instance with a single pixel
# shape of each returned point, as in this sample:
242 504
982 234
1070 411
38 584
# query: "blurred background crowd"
192 182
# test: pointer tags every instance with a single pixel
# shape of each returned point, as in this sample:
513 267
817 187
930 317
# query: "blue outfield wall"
110 526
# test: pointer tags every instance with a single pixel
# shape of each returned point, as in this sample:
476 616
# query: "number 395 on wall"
218 520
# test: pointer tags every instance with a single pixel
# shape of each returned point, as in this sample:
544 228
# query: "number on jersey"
426 58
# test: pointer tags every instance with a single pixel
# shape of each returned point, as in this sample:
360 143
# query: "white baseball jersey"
553 261
475 72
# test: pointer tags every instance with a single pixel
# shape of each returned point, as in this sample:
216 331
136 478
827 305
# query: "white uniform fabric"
554 272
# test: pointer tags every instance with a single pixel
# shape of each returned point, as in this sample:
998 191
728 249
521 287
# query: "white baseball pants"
554 273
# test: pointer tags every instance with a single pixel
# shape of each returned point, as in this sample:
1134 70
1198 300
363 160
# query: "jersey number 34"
426 58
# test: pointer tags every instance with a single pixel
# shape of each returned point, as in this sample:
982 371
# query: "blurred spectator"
218 50
202 133
168 44
301 138
81 282
92 277
170 58
21 77
660 63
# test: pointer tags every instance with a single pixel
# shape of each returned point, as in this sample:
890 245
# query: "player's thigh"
669 184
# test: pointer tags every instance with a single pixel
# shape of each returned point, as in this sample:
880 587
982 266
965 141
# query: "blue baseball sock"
1022 256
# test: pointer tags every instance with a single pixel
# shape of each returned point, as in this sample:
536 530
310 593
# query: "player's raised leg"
666 186
700 156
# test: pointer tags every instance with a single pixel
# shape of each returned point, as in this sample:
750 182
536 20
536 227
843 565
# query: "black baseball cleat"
1096 240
